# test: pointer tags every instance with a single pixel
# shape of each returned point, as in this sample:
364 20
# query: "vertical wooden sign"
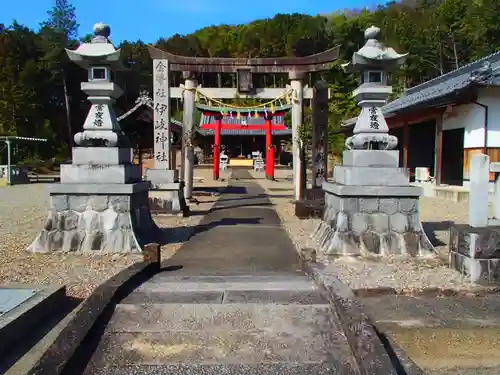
320 134
161 100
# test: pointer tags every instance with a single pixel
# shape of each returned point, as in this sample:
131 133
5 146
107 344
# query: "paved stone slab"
428 311
172 277
332 367
211 317
302 284
176 297
273 296
155 348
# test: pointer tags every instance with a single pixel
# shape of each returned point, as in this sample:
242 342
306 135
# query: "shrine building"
242 133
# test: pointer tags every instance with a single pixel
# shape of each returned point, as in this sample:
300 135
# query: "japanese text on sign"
98 115
161 97
374 119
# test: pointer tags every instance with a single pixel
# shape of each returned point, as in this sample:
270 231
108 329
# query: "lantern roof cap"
100 50
374 54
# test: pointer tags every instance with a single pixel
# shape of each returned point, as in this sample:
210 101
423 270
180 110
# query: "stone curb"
426 292
85 317
375 353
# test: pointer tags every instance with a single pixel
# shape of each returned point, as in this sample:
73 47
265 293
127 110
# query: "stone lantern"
101 204
373 62
370 206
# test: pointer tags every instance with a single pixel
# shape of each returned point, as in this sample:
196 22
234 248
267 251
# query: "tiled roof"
208 132
469 75
277 119
448 83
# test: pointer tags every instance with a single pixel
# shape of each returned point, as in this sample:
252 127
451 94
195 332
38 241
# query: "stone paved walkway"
443 335
232 302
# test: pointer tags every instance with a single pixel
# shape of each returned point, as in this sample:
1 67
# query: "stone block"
359 222
59 202
100 174
375 176
389 206
484 271
120 203
370 240
369 205
399 222
101 155
392 244
478 243
161 176
371 158
372 191
100 223
341 222
77 202
408 205
347 204
98 189
379 222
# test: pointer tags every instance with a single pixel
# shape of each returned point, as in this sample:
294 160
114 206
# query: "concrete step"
230 277
334 367
227 297
202 286
209 317
197 347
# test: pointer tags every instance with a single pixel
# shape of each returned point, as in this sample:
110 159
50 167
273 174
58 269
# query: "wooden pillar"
269 150
218 127
438 159
406 141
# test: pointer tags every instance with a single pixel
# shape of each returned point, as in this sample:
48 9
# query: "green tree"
60 31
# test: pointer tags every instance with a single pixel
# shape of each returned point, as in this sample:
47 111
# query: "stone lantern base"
371 209
97 218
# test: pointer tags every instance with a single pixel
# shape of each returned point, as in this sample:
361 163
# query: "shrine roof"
277 119
262 110
444 89
249 132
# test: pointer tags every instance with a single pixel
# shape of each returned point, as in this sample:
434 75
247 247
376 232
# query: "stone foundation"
376 224
475 252
107 219
167 193
168 201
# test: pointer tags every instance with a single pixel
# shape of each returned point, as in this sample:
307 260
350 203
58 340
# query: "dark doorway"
421 146
452 169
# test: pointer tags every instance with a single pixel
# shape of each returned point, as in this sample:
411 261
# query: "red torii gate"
244 119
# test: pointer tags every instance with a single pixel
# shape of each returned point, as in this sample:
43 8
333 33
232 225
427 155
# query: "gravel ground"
401 275
23 210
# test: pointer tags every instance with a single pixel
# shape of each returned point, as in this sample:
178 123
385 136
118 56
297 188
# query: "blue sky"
150 19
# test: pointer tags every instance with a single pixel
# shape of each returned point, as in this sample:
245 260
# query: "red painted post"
218 126
270 175
269 154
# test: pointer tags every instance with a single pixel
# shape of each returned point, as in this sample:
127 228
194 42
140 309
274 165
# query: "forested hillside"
40 92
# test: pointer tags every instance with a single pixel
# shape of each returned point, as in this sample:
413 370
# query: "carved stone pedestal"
475 252
371 209
167 193
97 218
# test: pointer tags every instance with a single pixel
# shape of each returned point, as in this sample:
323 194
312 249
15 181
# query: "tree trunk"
68 115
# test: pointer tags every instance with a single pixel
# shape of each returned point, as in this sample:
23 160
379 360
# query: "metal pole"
8 162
